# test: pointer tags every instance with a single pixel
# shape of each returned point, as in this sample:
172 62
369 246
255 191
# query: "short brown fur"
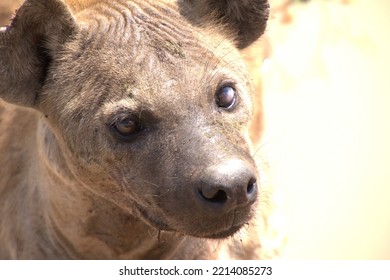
70 187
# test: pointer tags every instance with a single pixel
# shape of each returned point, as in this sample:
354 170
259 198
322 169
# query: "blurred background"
326 90
324 66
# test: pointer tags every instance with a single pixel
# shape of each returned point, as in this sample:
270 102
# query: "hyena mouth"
210 229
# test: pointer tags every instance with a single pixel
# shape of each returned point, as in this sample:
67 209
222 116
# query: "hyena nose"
226 187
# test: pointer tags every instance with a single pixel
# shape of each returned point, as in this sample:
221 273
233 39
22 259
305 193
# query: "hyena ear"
28 45
244 20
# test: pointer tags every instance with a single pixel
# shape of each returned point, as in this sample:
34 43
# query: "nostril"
251 191
214 196
251 188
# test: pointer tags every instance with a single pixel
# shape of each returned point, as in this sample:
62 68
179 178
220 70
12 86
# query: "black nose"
226 187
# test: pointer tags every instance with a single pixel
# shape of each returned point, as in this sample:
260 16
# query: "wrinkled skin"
78 188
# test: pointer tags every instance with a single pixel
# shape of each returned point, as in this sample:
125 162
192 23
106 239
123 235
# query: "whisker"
147 182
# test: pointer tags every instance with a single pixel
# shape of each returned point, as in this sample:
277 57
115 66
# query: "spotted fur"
68 188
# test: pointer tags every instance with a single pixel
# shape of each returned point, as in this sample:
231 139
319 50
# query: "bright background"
327 103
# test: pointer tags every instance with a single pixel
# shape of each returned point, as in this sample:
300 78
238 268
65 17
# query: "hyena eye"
226 97
124 128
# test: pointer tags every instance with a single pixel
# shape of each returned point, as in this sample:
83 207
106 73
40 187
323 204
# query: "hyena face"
149 103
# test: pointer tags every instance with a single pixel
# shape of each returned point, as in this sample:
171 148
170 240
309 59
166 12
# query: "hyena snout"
226 187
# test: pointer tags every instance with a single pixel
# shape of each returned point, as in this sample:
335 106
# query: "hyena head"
149 102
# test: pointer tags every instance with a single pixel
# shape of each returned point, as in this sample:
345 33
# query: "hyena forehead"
158 39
